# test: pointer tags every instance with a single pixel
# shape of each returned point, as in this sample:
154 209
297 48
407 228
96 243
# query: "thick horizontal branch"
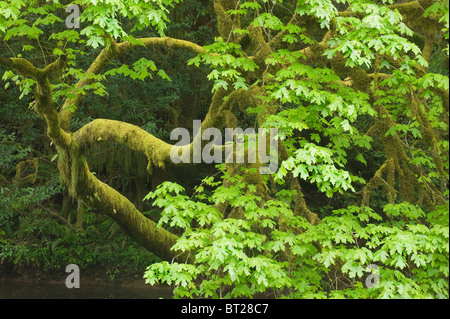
27 69
412 7
104 130
20 65
165 42
156 150
406 8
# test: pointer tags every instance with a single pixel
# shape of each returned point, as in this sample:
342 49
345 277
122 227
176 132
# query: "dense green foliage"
243 257
358 91
32 241
36 244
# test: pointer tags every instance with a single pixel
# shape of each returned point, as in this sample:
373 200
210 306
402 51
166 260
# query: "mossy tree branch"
75 172
108 54
84 185
43 93
105 198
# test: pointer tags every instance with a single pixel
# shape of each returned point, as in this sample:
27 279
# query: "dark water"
25 290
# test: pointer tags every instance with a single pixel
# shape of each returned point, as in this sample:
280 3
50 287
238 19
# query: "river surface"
26 290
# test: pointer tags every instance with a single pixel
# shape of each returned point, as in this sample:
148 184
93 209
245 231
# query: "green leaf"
27 47
163 75
361 159
380 255
399 262
95 42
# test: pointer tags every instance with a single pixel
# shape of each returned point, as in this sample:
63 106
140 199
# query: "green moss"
29 166
226 22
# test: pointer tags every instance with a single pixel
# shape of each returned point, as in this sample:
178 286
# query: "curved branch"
108 54
104 130
96 67
43 93
156 150
58 216
20 65
106 199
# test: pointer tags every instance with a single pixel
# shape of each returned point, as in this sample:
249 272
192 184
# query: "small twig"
58 216
10 48
42 50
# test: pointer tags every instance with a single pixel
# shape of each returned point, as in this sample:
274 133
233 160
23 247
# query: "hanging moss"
104 198
395 173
